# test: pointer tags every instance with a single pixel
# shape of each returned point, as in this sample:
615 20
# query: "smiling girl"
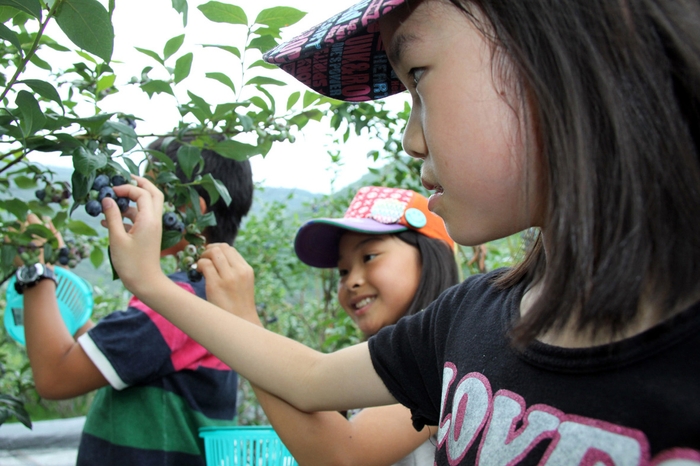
394 257
575 117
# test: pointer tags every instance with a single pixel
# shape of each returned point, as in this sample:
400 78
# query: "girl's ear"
202 205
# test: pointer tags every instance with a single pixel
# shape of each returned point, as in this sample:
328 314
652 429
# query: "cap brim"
343 57
317 241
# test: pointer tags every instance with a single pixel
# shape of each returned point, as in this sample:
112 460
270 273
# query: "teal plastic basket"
244 446
74 296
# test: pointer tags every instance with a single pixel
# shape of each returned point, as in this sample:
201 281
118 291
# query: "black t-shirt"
624 403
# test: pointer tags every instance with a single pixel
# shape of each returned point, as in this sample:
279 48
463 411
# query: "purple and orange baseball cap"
374 210
343 57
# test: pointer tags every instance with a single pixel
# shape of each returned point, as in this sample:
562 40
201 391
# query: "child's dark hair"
438 269
235 175
612 90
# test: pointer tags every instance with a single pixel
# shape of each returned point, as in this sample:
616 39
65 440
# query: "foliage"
61 114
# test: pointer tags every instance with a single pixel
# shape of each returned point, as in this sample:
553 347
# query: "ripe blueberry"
194 275
40 194
100 182
118 180
93 208
63 260
170 220
106 191
123 203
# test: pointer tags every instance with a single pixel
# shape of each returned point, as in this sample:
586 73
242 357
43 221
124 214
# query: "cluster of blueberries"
71 254
58 193
101 188
172 222
186 261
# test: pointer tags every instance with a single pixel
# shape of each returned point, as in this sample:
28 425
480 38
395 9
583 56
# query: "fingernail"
108 203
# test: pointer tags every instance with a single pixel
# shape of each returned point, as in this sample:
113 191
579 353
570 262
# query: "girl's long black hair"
612 91
438 269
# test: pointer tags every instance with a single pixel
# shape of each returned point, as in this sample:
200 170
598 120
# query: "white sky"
151 23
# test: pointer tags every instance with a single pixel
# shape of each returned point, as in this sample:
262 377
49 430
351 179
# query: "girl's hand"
229 281
135 249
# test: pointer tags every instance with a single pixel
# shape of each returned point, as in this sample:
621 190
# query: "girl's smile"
379 275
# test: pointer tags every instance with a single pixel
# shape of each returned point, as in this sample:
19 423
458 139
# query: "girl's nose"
413 137
355 279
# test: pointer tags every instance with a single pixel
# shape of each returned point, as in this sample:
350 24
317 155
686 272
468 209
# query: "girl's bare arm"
307 379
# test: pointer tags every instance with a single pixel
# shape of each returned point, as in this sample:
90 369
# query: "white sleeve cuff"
101 362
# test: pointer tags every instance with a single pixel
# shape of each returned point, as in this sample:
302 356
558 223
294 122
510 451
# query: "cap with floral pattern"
374 210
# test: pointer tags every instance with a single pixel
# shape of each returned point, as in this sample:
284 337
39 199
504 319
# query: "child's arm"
307 379
376 436
60 367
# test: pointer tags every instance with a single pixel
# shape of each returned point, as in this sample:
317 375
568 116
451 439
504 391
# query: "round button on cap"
415 218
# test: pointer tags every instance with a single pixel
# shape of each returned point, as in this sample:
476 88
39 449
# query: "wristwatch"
29 275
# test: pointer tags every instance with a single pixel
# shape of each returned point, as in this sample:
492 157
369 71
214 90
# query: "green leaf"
93 124
24 182
172 46
35 60
223 79
169 239
262 43
16 207
279 17
310 97
183 65
36 229
208 219
260 103
32 7
235 150
87 56
228 48
188 157
293 98
181 7
44 89
215 188
33 118
157 87
200 103
10 36
59 219
133 168
81 228
263 80
151 54
262 64
81 186
88 25
163 158
97 256
87 162
105 82
223 13
128 136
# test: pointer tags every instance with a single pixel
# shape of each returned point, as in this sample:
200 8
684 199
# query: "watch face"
29 274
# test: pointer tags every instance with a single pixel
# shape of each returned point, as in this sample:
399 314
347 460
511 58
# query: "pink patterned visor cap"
374 210
343 57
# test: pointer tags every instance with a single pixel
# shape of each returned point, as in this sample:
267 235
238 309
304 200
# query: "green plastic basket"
74 296
244 446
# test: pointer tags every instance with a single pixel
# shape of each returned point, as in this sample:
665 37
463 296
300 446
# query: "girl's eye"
416 74
369 257
342 272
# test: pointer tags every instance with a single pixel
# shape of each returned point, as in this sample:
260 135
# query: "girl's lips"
433 200
361 306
